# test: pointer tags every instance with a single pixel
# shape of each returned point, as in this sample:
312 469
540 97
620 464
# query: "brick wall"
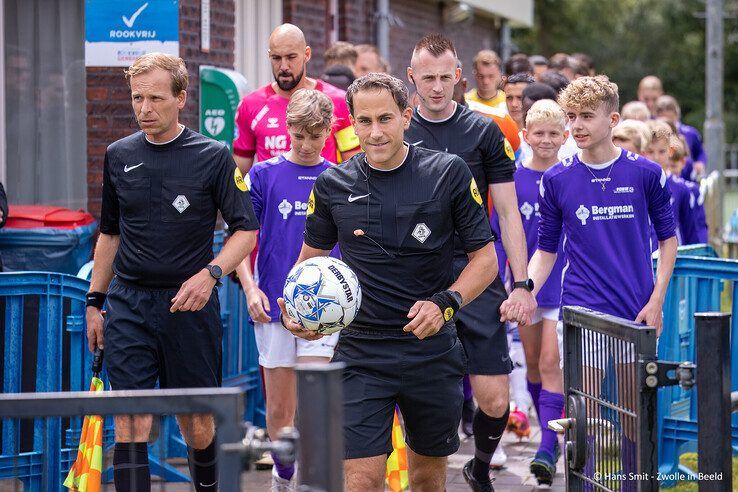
412 19
314 18
109 113
418 18
356 23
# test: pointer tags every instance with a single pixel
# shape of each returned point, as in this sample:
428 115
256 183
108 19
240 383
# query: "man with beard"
261 130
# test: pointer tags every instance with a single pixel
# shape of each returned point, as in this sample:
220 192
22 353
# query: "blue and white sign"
119 31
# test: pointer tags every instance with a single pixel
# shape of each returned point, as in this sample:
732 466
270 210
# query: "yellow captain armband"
346 139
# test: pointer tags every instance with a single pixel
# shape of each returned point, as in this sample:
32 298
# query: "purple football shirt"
527 184
694 141
697 204
279 191
607 239
683 204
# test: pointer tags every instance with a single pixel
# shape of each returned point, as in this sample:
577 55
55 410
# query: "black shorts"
144 341
481 332
423 377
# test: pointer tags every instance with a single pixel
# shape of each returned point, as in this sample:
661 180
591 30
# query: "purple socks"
284 471
551 405
628 459
467 388
535 393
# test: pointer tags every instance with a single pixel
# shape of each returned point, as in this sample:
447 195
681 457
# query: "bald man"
260 120
650 89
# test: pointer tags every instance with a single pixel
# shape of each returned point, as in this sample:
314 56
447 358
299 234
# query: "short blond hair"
169 63
634 131
486 58
590 92
677 148
635 110
310 110
667 103
660 130
545 111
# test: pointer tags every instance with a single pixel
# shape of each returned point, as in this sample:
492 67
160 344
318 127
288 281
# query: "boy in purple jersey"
280 188
632 135
545 132
604 200
658 152
667 109
678 154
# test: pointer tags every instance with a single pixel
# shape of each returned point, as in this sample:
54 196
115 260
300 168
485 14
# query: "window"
255 20
45 124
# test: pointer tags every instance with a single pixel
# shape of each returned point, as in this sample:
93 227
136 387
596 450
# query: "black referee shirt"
409 217
474 137
163 201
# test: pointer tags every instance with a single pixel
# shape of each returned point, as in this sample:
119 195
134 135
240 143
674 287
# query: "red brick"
97 93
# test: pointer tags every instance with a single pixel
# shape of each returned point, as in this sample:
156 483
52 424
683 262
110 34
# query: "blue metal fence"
41 468
699 281
61 308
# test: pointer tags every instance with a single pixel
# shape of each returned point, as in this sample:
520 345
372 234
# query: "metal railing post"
320 423
712 351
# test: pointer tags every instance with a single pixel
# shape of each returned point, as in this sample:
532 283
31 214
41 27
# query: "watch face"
216 271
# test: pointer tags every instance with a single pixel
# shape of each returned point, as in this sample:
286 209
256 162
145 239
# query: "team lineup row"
408 211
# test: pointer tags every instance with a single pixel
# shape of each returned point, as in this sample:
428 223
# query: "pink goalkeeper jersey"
261 128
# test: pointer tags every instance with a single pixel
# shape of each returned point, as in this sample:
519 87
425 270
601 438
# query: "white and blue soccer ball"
322 294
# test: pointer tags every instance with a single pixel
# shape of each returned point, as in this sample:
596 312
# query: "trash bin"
46 238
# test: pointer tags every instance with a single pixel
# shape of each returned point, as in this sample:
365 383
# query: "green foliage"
629 39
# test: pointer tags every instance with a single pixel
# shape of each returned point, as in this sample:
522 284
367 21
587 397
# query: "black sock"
487 434
203 468
131 467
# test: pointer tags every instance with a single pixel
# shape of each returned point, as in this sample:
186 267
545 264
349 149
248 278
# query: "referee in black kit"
440 123
394 211
162 189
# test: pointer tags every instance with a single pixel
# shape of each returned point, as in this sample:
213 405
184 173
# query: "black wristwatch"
215 271
526 284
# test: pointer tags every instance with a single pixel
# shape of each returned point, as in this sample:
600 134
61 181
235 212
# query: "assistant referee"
162 189
394 211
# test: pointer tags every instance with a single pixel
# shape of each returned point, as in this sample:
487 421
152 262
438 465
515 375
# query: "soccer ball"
322 294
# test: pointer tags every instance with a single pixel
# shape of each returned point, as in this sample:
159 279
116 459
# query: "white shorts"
598 350
280 348
545 313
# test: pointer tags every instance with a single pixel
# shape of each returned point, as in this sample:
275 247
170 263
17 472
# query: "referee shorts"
423 377
481 332
145 342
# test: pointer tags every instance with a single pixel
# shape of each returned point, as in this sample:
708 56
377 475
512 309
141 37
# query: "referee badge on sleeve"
509 150
475 192
311 203
241 183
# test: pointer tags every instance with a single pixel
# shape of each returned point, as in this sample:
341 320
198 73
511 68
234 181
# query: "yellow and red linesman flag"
85 475
396 476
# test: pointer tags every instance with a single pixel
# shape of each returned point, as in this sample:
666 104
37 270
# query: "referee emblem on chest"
421 232
181 203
